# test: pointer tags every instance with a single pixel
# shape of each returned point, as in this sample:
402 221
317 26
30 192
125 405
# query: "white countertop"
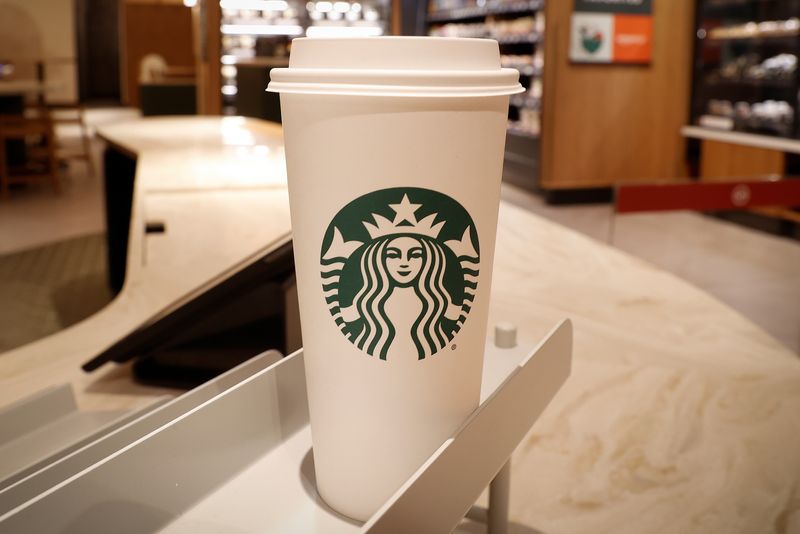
680 414
155 134
745 139
202 153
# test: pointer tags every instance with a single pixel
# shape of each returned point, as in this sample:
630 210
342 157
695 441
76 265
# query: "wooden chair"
41 161
64 113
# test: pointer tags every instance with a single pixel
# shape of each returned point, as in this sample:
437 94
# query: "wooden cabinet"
151 27
721 161
604 124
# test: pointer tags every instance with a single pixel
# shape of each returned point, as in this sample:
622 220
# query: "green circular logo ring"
399 271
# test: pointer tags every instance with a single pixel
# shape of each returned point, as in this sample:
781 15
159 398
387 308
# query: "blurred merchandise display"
343 19
780 67
746 76
770 116
460 8
501 30
258 33
528 123
526 64
518 26
749 67
768 28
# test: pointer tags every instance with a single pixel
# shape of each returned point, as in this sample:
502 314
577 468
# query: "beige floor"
755 273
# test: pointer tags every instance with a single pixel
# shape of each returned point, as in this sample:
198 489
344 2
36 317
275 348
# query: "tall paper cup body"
394 203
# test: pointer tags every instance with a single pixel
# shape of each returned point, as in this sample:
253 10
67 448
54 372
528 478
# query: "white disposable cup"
389 143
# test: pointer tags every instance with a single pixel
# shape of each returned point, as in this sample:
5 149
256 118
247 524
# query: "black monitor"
245 311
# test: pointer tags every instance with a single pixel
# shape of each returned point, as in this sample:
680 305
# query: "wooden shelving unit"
475 12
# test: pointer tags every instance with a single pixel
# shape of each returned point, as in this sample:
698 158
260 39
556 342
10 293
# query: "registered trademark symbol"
453 347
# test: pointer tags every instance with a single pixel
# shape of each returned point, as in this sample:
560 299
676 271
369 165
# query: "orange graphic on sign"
633 38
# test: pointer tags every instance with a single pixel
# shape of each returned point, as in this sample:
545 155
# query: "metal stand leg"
499 494
496 515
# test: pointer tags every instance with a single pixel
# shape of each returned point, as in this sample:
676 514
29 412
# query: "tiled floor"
47 288
755 273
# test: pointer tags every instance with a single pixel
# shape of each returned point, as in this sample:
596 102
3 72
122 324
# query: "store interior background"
576 133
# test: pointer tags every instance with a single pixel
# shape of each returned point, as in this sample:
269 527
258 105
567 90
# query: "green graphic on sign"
399 271
591 39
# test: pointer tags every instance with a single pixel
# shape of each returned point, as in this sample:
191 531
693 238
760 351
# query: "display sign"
612 31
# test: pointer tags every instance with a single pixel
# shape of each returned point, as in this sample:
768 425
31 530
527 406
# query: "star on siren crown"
404 222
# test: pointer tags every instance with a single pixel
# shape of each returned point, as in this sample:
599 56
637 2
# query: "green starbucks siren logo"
399 271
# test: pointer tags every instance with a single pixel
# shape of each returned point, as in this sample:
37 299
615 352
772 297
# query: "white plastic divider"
242 462
39 428
35 411
126 430
440 493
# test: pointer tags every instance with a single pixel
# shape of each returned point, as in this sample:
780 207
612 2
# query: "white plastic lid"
395 66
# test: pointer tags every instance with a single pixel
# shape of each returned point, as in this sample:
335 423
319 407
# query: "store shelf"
521 132
728 124
715 4
258 33
734 7
744 139
756 39
532 38
517 26
525 70
761 39
766 84
259 61
472 12
525 101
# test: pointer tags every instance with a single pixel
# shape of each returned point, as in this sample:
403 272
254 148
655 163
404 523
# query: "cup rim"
380 66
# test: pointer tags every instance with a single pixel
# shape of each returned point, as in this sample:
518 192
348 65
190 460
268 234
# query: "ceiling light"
344 31
261 29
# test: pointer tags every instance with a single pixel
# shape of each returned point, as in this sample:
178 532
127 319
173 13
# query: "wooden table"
680 415
24 87
13 92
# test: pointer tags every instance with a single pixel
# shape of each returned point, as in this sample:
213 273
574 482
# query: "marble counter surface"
680 415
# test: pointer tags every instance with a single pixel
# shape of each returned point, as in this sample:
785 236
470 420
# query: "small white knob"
505 336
